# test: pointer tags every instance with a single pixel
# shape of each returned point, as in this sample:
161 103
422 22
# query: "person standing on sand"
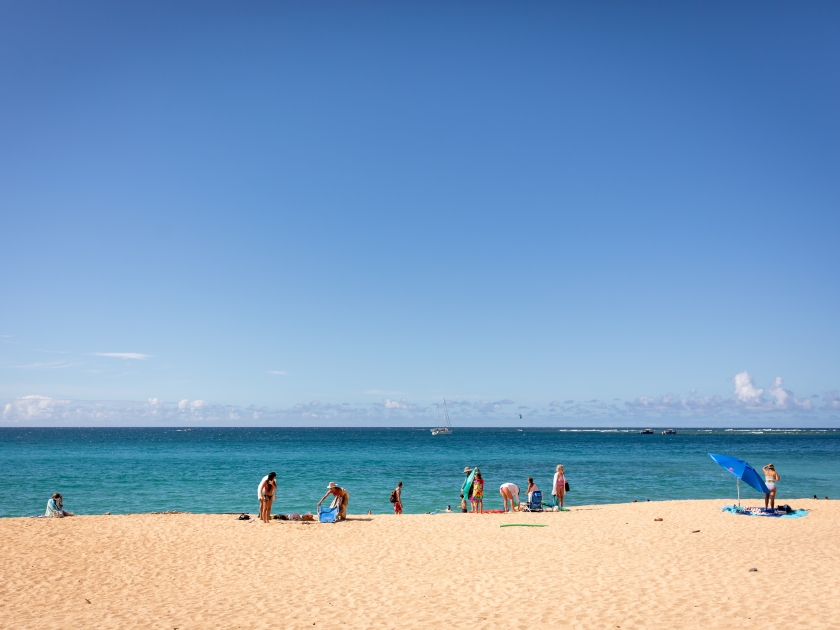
478 492
771 478
265 493
509 492
397 498
341 499
558 489
468 495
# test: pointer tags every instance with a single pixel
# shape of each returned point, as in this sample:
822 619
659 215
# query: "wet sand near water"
600 566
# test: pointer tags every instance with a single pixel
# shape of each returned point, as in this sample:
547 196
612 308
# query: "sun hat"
467 470
331 485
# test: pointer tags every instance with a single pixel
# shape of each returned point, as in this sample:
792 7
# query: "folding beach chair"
327 515
535 504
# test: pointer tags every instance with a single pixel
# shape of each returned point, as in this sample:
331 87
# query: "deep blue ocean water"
124 470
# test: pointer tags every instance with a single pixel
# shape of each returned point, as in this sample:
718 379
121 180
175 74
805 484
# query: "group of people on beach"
267 491
473 491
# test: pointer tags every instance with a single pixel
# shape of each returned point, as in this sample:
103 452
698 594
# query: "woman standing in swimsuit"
265 493
771 479
559 487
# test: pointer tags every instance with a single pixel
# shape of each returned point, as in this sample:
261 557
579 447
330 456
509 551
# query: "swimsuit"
770 482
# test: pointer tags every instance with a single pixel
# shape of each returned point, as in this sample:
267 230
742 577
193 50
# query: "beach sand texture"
601 566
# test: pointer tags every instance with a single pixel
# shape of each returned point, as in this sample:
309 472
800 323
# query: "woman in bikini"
771 480
265 492
559 487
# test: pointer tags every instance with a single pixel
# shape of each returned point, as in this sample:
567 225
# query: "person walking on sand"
341 499
396 498
509 492
478 492
771 479
558 489
265 493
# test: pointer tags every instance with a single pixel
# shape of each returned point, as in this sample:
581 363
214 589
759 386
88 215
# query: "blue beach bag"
327 515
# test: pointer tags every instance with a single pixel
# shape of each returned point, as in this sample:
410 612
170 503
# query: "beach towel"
758 511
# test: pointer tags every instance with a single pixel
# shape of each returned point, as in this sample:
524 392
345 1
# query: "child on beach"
478 493
396 498
55 507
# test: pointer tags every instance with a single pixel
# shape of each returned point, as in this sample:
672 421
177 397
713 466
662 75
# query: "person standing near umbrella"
771 478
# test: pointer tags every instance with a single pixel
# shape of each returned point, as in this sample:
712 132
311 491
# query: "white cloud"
183 404
832 400
123 355
278 372
31 407
745 390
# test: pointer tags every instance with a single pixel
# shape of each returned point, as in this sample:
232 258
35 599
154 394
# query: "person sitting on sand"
448 509
559 487
341 498
478 492
55 507
532 487
771 479
265 493
509 492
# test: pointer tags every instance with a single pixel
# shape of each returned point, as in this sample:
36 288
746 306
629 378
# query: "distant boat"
669 432
445 428
646 432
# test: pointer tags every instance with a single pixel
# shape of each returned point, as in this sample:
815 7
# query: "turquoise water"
217 470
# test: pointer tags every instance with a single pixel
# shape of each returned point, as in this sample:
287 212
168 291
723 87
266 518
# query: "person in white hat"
341 498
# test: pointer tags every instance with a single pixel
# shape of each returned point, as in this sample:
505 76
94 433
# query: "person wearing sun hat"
341 498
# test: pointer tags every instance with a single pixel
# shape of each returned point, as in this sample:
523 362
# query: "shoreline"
601 565
757 501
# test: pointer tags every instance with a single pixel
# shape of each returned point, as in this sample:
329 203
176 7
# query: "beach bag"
327 515
244 517
567 486
393 496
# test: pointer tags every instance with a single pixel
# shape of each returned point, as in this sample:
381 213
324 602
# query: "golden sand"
607 566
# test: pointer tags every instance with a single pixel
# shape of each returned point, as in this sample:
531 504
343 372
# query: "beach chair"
327 515
535 504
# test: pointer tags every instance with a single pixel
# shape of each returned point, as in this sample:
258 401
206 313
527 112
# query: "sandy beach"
601 566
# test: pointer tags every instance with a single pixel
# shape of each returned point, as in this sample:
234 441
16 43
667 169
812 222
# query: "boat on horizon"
443 428
646 432
669 432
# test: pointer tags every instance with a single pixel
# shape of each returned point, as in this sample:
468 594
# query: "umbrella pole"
738 481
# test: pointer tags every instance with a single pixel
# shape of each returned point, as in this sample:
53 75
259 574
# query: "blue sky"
373 206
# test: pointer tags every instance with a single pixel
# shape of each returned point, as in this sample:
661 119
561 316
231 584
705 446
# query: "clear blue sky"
385 204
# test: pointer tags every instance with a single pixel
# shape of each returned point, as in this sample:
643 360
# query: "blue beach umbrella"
741 470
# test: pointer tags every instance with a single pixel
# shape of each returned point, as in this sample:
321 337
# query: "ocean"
212 470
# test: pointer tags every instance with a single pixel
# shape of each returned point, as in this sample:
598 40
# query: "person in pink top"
558 489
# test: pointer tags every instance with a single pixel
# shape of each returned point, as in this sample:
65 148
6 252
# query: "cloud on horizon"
773 404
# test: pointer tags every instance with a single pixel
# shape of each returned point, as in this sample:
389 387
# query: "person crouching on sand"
478 492
509 492
55 507
265 493
341 498
771 478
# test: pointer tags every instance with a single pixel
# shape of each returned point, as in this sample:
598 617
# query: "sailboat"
445 428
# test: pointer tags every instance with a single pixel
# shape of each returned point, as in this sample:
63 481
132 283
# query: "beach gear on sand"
535 504
523 525
742 471
327 515
783 511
